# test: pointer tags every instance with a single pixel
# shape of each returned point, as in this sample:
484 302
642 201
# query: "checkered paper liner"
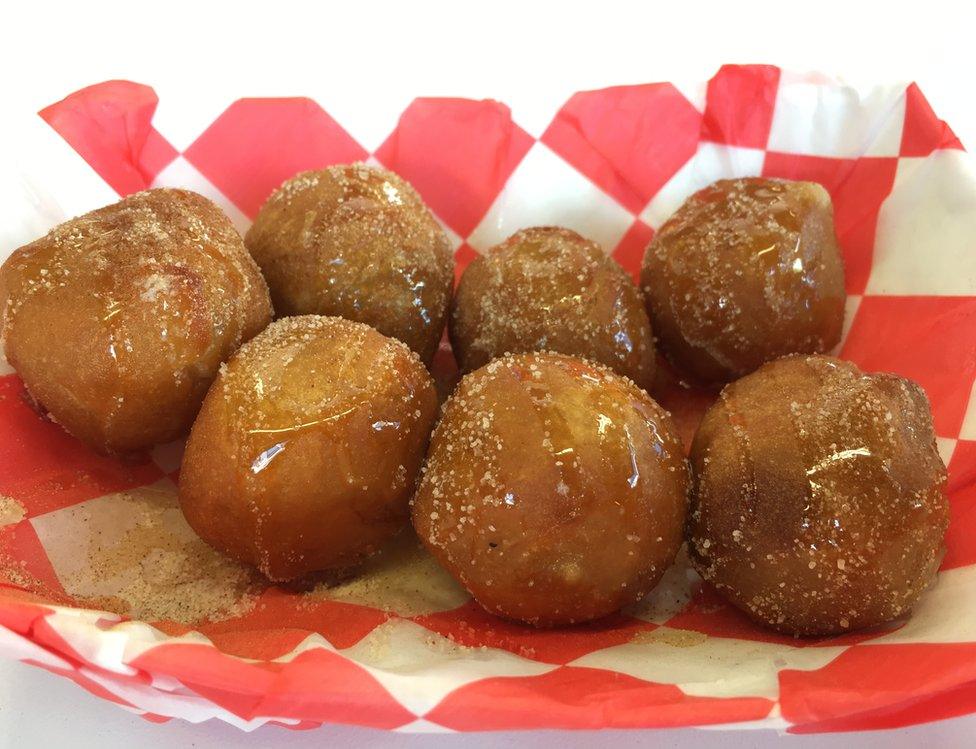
612 164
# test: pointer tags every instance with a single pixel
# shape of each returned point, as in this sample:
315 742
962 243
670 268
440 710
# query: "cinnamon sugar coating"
357 242
818 501
554 489
308 446
118 320
745 271
549 289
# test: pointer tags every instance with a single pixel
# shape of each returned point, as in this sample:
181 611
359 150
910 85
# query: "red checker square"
709 614
462 259
871 687
857 187
307 686
259 644
961 536
571 697
20 611
924 132
458 153
629 140
739 105
24 563
45 469
342 624
304 688
156 155
927 339
256 144
629 251
54 641
472 626
153 718
110 126
196 663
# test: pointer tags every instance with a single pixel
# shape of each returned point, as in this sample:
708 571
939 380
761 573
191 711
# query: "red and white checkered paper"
612 164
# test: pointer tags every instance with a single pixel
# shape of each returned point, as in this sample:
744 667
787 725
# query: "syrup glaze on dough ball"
356 242
744 272
549 289
555 490
308 446
119 319
817 497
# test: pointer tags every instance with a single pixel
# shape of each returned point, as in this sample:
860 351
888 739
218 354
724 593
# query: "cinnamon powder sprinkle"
11 511
402 578
139 559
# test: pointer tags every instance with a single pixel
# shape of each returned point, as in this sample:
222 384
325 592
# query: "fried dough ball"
549 289
817 496
744 272
119 319
307 449
555 490
356 242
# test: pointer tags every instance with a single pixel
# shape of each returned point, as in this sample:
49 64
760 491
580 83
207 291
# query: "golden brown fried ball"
118 320
549 289
744 272
356 242
817 496
307 448
555 490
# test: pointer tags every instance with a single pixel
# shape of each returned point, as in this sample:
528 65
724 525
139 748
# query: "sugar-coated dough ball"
307 449
549 289
744 272
817 496
356 242
118 320
554 490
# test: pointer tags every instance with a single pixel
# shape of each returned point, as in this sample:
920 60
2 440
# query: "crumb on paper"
133 554
676 638
398 646
402 579
14 572
11 511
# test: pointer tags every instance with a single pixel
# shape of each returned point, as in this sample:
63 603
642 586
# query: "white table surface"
379 56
